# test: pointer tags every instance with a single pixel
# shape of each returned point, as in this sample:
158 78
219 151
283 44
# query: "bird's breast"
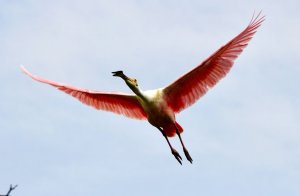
159 113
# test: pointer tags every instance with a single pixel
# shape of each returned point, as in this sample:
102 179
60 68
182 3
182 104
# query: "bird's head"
131 82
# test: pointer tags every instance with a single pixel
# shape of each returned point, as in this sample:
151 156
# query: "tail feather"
171 130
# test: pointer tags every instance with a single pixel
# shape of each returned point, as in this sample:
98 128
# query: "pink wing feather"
120 103
187 89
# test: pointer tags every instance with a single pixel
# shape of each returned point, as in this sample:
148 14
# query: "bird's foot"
177 155
187 155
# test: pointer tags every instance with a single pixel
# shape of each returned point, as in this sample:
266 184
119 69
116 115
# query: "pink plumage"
190 87
160 106
120 103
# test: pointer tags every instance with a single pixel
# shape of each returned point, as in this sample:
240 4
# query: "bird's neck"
138 92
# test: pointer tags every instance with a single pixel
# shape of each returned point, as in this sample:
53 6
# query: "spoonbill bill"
159 106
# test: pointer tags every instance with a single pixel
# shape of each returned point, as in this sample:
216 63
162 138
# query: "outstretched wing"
120 103
187 89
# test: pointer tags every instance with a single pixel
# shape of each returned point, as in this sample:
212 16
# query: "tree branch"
11 188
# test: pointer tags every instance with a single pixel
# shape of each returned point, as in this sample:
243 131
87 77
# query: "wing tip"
256 20
24 70
22 67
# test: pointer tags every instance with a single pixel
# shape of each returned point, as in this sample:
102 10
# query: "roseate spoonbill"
159 106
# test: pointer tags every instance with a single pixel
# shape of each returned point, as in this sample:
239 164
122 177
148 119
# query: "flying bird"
159 106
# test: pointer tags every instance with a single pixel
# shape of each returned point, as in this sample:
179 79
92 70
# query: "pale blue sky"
244 135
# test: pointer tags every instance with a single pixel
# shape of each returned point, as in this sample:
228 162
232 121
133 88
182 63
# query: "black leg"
186 152
174 152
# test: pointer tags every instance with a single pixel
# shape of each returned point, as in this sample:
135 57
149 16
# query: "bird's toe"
177 156
188 156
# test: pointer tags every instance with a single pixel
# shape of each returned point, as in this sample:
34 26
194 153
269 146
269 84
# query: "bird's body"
159 114
159 106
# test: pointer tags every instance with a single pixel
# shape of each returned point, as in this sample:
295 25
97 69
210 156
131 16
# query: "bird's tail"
171 130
